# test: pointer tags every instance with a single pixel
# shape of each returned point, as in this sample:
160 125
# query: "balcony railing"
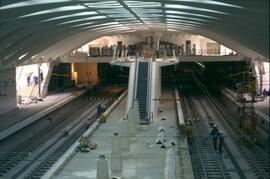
157 54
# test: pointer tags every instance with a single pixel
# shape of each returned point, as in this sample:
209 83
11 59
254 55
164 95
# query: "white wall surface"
175 38
23 71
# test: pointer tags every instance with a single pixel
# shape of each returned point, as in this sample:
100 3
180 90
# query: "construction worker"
99 110
102 118
221 142
189 130
214 133
189 121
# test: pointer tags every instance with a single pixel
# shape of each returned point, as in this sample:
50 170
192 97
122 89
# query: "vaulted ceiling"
33 29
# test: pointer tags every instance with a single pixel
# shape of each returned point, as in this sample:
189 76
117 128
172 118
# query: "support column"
116 159
155 88
102 168
131 85
47 80
125 145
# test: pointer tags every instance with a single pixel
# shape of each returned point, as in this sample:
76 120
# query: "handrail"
162 53
148 97
136 79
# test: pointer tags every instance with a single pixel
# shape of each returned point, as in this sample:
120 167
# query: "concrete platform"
17 119
145 160
263 106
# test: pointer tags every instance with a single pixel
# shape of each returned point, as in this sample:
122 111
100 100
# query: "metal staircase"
142 90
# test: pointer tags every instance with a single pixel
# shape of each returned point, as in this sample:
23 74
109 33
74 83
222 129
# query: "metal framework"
31 29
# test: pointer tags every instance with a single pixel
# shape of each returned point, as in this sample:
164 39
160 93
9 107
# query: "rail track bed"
32 157
248 159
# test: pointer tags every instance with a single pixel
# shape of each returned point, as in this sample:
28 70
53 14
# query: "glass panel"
84 19
31 2
72 15
208 2
184 17
60 9
177 6
190 14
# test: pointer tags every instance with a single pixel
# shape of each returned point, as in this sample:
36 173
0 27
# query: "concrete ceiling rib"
40 26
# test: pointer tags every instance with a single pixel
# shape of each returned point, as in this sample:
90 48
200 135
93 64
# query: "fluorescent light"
184 17
209 2
183 21
30 3
33 56
60 9
71 15
177 6
84 19
190 14
21 57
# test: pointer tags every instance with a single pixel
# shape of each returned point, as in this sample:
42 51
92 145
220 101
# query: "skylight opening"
177 24
60 9
120 15
79 25
190 14
31 2
177 6
102 26
113 11
84 19
21 57
184 17
148 11
104 5
209 2
134 4
33 56
71 15
183 21
113 30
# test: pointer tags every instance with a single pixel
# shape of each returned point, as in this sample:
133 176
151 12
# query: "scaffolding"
246 97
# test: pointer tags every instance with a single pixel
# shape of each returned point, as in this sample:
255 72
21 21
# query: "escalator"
142 90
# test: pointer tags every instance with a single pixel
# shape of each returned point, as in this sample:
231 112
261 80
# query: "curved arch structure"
35 29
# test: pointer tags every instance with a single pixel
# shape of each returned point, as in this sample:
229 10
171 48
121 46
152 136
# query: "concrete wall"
8 99
86 72
32 90
262 73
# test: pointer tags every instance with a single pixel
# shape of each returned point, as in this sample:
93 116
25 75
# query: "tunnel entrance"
212 74
69 75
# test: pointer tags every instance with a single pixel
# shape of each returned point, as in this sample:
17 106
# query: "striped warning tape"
168 99
240 73
101 99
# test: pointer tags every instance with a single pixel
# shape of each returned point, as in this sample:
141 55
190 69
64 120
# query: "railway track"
229 112
58 150
203 156
20 153
257 159
33 157
27 149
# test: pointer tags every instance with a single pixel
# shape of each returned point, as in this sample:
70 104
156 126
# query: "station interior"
134 89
